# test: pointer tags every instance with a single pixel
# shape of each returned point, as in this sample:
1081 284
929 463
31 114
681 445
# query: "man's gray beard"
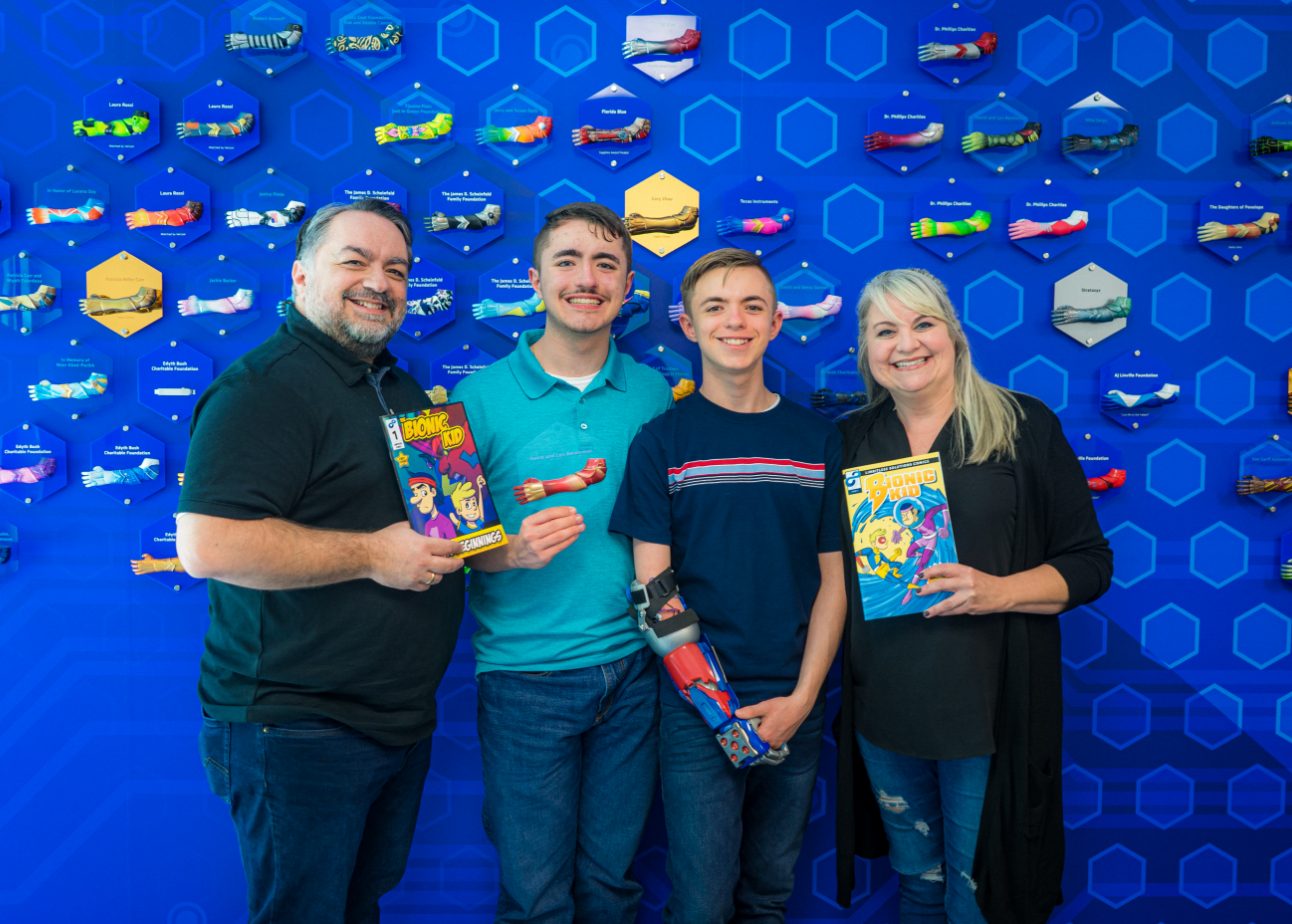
361 342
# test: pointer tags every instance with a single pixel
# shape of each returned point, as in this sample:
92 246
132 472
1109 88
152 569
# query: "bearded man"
332 622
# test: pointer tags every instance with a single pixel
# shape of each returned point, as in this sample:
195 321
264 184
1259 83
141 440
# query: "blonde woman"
957 713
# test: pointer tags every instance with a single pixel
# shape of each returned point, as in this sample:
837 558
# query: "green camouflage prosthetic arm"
137 124
977 141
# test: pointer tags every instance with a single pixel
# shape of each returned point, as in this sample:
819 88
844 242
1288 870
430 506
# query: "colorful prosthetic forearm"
1116 400
927 227
437 127
274 218
1125 138
1115 478
635 303
984 44
244 123
150 565
1263 145
99 476
1119 307
687 41
732 225
673 632
29 474
541 127
684 220
143 301
92 387
1250 484
1215 231
488 308
531 489
827 397
822 309
42 298
930 134
637 130
43 215
189 212
442 300
487 217
384 40
136 124
977 141
272 41
242 300
1024 227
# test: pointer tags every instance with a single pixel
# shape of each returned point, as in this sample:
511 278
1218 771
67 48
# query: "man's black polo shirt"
292 430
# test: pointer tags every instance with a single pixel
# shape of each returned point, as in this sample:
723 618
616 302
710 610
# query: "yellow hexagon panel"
124 294
662 213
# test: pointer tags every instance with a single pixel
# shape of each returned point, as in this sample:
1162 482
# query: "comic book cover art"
900 525
442 477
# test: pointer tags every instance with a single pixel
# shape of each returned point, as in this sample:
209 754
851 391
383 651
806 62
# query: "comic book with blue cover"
442 477
900 526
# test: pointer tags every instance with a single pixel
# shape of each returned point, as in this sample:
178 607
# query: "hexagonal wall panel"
1208 876
1237 53
1262 636
1268 459
1230 206
72 34
856 45
158 540
565 41
1135 551
1175 472
510 108
955 24
266 17
172 378
322 125
1047 50
1042 379
126 464
173 35
461 209
1002 117
659 22
70 188
1142 52
710 130
1281 876
993 305
118 103
1137 222
416 105
1257 796
265 192
661 195
943 203
852 218
1273 121
898 116
1181 306
1135 389
220 121
36 113
1218 554
1084 636
1121 717
172 209
758 199
759 44
1269 307
1226 390
1045 203
1115 876
22 274
38 458
1169 635
1186 138
1082 796
807 132
1164 797
825 884
1213 716
1090 291
467 40
120 277
803 285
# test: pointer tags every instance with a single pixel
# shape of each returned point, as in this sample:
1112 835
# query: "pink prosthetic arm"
1026 228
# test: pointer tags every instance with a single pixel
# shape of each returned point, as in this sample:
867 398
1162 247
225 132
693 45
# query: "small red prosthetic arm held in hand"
673 632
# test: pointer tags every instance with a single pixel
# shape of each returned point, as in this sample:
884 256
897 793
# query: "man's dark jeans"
325 815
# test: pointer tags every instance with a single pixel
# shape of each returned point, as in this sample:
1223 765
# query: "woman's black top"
1018 861
927 687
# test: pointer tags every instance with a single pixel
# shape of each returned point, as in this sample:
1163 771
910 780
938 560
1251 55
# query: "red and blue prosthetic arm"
673 633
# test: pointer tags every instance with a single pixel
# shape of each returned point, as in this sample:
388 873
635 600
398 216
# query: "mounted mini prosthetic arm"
696 671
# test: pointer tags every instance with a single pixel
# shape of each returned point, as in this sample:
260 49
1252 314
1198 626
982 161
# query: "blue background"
1179 717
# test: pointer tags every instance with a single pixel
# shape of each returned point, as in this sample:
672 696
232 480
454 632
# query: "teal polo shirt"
528 424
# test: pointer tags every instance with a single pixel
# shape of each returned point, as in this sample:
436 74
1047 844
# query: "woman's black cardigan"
1018 863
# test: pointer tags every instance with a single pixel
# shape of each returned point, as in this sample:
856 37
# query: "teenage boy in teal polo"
568 692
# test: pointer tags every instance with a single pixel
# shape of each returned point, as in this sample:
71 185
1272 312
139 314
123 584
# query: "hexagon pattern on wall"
1164 797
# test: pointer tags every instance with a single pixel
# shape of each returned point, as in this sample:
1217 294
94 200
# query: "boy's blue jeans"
733 835
931 810
325 815
569 762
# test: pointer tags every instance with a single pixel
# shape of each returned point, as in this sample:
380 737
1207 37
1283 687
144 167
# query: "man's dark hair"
314 230
726 259
606 223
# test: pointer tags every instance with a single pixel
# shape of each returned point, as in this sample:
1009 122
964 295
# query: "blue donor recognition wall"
1103 185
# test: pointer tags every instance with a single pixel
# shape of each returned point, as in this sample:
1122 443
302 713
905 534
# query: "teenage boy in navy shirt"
736 489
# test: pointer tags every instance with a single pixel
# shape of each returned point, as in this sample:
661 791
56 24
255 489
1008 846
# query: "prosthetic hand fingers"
1025 228
974 141
878 141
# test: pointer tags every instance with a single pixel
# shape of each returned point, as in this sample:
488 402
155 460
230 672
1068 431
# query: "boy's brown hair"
727 259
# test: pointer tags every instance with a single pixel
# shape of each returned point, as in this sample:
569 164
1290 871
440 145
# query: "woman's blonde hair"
985 421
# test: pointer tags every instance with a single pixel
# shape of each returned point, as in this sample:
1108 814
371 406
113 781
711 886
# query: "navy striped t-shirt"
747 502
